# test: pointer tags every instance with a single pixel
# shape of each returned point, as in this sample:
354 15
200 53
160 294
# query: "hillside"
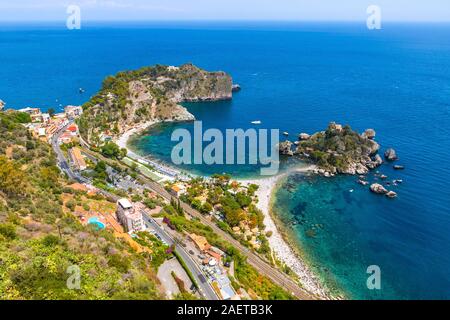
153 93
40 239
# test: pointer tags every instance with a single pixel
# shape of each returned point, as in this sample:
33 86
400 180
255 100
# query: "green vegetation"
185 267
246 275
160 251
337 148
39 241
132 97
235 203
112 150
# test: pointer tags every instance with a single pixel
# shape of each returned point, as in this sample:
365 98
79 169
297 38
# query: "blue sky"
302 10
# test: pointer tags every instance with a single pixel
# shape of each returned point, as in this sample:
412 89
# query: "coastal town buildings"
130 216
177 189
77 159
200 242
73 112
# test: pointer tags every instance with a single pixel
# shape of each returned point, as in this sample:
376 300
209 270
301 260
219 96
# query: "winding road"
261 265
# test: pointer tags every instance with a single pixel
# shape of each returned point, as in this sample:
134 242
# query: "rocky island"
150 94
336 150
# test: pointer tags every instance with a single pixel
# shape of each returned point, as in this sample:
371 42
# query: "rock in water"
369 134
235 88
285 148
391 194
390 154
378 161
378 189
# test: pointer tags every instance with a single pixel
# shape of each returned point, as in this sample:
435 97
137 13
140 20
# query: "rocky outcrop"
236 88
150 94
339 149
303 136
391 194
390 154
378 189
285 148
369 134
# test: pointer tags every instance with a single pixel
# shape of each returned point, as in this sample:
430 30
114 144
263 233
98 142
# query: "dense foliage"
42 244
337 148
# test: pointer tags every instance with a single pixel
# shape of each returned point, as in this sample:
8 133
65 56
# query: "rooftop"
125 203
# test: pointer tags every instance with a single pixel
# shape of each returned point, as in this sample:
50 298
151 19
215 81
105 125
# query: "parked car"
191 252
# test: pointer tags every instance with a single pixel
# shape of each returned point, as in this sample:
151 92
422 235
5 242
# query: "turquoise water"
296 78
97 223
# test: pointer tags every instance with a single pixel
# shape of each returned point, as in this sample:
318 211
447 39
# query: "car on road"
191 252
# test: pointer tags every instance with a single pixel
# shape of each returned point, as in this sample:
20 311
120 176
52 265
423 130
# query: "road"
262 266
205 288
253 259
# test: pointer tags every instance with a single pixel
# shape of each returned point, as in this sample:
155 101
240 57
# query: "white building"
129 216
73 111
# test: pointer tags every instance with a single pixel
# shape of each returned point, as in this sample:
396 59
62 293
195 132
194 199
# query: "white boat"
256 122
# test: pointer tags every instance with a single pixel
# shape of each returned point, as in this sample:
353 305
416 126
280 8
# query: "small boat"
399 167
351 190
286 133
81 90
256 122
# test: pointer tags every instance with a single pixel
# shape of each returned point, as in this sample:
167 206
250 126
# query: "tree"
112 150
51 112
206 208
12 178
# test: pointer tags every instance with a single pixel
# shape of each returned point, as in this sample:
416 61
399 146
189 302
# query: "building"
177 190
200 241
31 111
73 129
105 136
77 159
73 112
129 216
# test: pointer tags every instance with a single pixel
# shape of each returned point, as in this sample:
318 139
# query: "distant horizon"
84 21
229 10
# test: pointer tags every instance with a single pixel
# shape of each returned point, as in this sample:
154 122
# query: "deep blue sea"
295 77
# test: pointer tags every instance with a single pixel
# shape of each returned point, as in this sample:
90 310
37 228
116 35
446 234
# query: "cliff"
339 149
153 93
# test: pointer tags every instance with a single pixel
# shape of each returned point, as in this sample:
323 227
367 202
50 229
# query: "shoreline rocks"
391 194
390 155
236 88
369 134
303 136
378 189
285 148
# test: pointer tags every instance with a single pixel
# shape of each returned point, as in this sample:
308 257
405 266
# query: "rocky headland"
150 94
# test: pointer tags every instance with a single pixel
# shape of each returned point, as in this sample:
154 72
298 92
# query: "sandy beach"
279 245
165 172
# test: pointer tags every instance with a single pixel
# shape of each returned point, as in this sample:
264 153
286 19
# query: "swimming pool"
97 223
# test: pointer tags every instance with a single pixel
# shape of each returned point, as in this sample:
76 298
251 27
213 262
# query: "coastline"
279 241
162 170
